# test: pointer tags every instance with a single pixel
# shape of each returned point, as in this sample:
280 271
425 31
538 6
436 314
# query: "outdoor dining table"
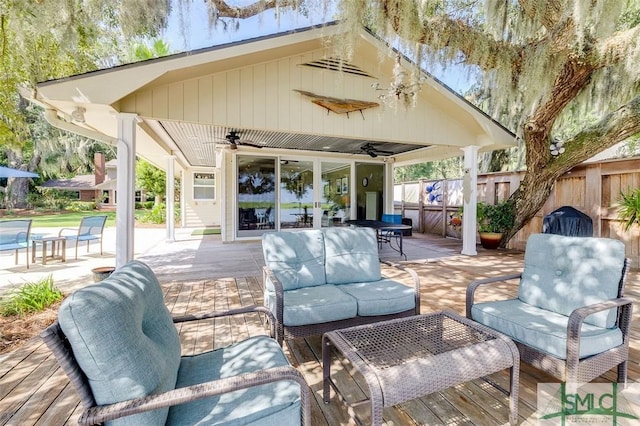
384 231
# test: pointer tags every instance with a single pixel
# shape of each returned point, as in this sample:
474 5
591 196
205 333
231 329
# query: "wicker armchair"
117 344
570 318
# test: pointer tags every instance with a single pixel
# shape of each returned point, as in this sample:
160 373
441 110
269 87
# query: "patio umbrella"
7 172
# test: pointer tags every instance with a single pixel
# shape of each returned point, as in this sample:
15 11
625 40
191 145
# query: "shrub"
81 206
155 215
629 208
31 297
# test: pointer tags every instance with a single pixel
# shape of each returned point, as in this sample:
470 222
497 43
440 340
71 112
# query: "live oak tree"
45 39
563 71
547 65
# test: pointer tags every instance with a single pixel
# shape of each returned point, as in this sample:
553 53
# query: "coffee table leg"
326 369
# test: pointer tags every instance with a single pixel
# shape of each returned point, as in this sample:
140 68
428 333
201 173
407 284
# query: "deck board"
34 391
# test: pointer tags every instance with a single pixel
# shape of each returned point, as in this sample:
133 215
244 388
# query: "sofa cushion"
381 297
296 258
351 255
542 329
124 339
276 403
564 273
313 305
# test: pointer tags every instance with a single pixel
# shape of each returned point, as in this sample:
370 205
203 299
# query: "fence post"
445 203
421 206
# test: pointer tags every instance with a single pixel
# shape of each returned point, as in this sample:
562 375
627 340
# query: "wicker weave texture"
407 358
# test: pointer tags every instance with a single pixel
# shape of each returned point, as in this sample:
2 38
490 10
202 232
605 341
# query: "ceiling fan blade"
247 143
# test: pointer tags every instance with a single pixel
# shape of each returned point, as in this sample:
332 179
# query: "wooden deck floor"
34 391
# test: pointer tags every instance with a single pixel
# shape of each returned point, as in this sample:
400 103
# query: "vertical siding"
261 96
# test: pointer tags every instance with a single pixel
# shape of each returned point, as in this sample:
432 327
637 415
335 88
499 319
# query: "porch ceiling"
198 142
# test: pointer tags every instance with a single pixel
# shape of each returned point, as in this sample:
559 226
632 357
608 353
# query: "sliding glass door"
256 189
280 193
296 194
335 198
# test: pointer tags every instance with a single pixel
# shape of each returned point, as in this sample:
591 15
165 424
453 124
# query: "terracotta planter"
490 240
102 273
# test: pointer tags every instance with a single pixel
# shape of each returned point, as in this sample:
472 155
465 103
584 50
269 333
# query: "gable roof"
254 83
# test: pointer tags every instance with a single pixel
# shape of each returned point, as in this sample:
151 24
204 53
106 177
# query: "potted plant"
494 220
629 208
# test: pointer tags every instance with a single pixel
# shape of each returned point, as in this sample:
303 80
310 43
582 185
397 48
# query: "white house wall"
201 212
262 97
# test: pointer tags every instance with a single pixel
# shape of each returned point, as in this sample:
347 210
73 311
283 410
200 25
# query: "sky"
188 29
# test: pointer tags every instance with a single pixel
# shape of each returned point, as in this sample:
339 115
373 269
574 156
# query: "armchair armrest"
220 314
74 230
471 289
279 291
414 277
100 414
578 316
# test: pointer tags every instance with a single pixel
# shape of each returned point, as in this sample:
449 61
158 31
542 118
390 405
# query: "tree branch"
552 12
613 128
619 46
224 10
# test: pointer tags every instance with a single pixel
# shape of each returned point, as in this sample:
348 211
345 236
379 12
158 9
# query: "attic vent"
335 64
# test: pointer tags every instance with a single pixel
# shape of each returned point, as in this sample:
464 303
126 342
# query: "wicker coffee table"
406 358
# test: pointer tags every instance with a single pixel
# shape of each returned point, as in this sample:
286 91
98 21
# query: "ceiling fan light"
78 114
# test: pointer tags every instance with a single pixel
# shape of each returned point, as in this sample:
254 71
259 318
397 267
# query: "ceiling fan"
373 152
233 139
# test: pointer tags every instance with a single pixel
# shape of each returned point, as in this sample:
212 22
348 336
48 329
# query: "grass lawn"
66 219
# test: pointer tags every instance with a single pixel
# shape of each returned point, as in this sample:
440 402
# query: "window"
204 186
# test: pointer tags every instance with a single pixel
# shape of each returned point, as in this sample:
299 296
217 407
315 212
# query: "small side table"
58 249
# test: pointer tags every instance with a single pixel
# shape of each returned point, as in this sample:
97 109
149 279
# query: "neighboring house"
99 187
274 132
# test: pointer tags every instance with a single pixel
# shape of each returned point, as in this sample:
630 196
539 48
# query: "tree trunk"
17 188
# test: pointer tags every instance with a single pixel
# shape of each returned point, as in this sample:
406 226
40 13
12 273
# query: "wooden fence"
592 188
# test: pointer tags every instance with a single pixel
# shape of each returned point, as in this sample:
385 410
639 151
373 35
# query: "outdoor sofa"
570 317
120 348
321 280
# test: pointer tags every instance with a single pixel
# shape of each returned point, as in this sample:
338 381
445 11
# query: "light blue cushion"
124 339
271 404
542 329
381 297
296 258
313 305
564 273
351 255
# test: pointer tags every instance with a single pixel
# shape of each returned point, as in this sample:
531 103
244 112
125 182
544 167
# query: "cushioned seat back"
296 258
564 273
351 255
124 339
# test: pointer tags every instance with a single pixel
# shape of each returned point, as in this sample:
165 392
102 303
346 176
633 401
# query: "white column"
470 200
170 197
387 207
125 222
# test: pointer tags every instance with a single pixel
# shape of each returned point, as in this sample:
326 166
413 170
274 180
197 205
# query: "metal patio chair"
90 229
